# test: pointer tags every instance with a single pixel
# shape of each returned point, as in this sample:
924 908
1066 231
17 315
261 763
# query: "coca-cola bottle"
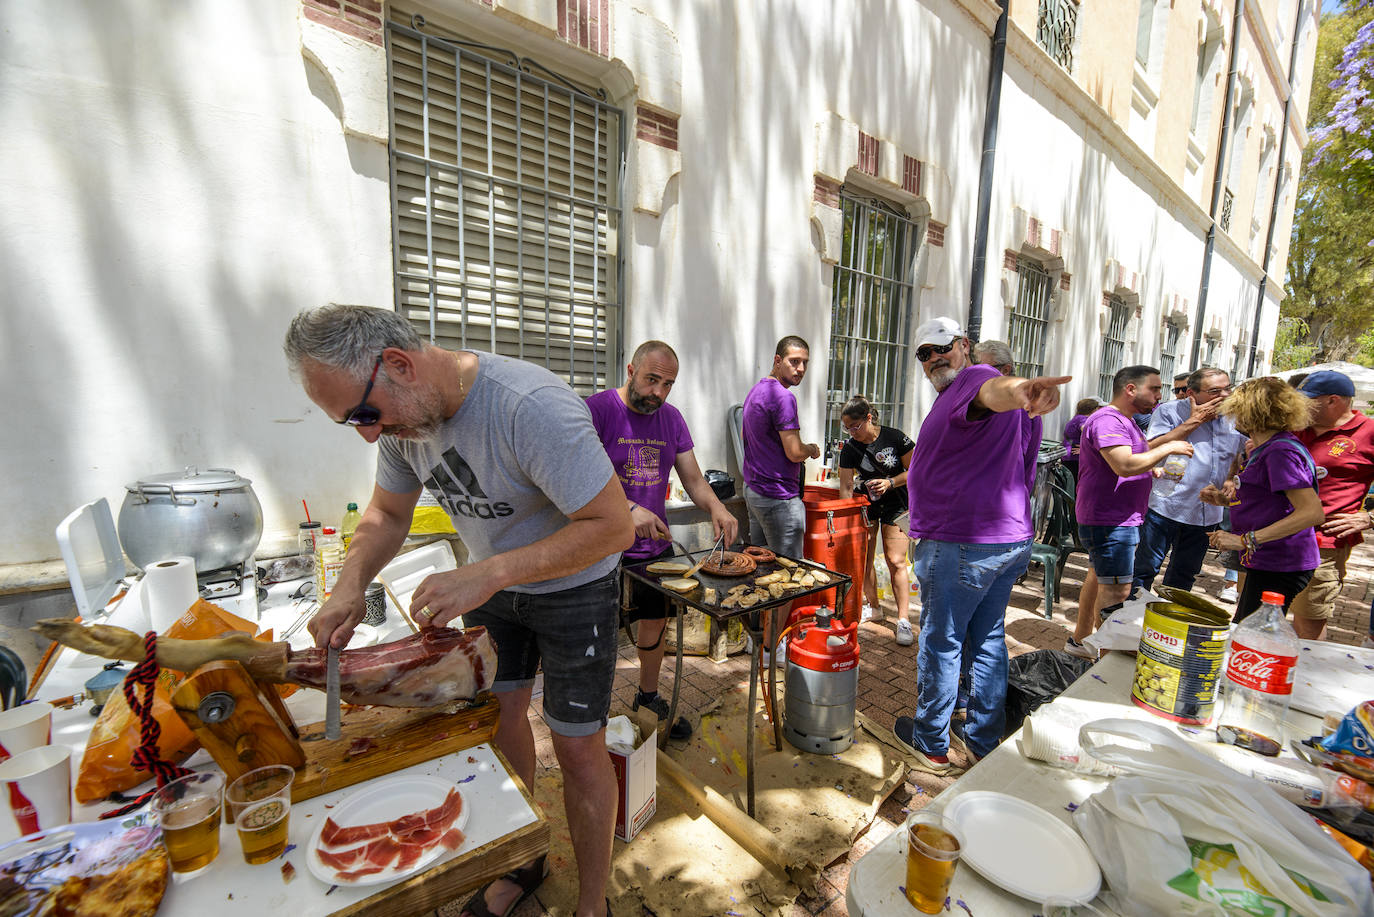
1258 684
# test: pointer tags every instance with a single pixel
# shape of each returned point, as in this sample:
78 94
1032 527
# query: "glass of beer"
259 803
933 846
188 810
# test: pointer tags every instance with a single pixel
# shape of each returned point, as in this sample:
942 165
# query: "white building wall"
175 183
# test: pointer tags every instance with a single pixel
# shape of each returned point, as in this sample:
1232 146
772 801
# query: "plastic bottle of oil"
349 525
329 560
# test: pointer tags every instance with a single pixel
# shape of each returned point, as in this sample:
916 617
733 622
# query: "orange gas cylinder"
837 538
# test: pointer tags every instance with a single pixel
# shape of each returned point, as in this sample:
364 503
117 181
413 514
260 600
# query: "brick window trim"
359 18
656 127
868 154
586 24
1011 259
911 176
935 233
1064 278
826 191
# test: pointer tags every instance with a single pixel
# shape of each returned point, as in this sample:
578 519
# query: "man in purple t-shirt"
969 496
645 437
774 452
1114 479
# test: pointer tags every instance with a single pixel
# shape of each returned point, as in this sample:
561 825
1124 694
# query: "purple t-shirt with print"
1104 498
768 408
642 449
1275 466
970 479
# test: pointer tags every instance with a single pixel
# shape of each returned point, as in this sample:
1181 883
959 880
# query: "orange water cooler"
837 538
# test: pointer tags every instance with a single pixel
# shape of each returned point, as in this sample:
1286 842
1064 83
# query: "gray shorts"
573 633
779 525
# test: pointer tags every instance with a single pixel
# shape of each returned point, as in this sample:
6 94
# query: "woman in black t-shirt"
878 457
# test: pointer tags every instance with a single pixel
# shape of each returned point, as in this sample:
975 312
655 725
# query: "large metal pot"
212 516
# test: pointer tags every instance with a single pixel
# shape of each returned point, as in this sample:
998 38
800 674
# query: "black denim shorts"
573 634
639 600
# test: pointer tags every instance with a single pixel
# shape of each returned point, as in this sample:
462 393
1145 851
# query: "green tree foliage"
1331 259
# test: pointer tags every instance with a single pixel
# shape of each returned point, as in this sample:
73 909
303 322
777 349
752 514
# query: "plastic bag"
1037 678
105 766
1183 834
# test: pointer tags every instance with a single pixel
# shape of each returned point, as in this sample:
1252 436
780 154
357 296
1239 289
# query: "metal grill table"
753 622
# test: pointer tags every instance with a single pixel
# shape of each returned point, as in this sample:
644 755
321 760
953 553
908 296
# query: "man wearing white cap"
972 471
1341 441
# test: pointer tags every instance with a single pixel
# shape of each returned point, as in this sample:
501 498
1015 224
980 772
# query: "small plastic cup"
259 803
933 846
188 811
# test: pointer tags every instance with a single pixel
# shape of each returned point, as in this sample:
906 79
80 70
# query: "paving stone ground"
887 689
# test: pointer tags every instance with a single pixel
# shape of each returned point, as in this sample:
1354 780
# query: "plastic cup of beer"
259 803
188 811
933 846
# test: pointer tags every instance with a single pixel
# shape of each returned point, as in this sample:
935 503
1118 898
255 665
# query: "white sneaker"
1227 595
905 636
867 613
1074 648
1368 643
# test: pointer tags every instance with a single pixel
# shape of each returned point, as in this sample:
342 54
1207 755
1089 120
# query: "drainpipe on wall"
991 110
1278 185
1218 179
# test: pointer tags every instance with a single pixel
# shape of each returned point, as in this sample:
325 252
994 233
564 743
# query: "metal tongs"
719 546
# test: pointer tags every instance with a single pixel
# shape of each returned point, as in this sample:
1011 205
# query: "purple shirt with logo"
768 408
642 448
970 479
1276 465
1103 497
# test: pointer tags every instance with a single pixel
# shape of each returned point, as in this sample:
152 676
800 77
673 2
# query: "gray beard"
942 377
641 405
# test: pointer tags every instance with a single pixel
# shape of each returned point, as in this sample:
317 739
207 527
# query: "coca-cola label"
1268 673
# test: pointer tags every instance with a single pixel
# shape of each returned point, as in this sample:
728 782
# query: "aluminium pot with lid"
211 515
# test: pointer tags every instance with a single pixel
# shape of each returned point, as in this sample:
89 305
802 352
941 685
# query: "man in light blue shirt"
1176 518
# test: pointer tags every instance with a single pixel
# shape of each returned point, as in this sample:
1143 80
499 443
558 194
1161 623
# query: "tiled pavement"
887 685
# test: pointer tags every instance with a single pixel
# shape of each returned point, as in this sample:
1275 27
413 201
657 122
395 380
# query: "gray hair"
347 337
993 353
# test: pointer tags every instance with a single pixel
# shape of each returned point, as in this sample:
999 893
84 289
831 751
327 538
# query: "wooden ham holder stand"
244 724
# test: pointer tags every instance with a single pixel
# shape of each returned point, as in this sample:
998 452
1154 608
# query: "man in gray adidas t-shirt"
509 451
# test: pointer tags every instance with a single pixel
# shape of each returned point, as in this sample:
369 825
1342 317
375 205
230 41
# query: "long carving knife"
332 728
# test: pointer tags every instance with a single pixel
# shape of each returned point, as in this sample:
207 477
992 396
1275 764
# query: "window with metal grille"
506 206
1211 358
1055 30
1113 347
871 308
1228 200
1168 353
1028 326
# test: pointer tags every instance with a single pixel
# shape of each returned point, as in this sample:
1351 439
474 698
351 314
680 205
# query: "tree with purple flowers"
1330 282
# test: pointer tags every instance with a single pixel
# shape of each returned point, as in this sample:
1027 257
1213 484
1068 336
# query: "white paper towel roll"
169 589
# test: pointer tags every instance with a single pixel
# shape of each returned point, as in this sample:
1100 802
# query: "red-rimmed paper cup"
36 786
24 727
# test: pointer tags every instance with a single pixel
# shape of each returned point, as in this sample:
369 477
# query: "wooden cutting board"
380 740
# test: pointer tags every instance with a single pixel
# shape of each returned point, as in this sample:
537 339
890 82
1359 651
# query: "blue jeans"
1157 535
1111 550
964 593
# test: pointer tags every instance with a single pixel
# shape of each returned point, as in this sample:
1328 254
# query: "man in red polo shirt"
1341 441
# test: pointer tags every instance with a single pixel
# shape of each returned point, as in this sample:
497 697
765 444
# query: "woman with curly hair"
1275 494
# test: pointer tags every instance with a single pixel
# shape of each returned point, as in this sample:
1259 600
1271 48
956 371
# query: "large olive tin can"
1181 646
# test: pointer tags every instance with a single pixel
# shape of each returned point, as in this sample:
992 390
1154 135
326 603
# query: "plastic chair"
1060 538
13 678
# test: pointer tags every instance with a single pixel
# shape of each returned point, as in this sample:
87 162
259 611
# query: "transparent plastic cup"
933 846
259 804
188 811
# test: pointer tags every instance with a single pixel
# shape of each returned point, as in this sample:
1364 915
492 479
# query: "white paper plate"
386 800
1022 848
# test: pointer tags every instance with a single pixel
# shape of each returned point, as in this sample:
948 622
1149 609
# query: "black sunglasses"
925 351
1180 390
365 415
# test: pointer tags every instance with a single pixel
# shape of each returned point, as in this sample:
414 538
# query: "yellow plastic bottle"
349 525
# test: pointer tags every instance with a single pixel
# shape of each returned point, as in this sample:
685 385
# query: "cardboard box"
636 778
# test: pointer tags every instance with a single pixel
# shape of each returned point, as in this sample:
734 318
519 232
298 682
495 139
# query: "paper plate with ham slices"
387 831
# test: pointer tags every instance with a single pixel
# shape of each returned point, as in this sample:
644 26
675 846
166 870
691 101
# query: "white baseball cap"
938 331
